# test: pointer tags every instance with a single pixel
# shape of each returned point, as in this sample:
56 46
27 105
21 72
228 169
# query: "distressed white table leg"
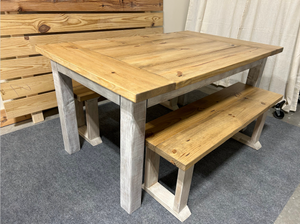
254 77
66 107
255 74
133 119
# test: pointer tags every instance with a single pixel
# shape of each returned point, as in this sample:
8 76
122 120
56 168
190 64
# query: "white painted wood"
79 113
245 139
84 133
171 104
178 92
66 107
183 185
182 100
255 74
133 120
108 94
151 168
260 122
166 199
92 118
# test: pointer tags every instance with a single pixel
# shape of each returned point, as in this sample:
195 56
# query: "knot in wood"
179 73
174 151
44 28
26 37
20 9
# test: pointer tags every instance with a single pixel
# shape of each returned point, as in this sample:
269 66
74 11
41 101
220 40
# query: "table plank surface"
142 67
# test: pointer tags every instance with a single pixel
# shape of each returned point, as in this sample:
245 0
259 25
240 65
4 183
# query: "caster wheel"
279 114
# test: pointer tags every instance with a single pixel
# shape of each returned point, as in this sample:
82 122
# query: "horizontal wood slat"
20 46
17 108
16 24
25 87
24 67
71 5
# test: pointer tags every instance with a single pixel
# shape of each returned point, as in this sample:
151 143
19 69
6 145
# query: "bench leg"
91 132
79 113
253 141
176 204
171 104
183 185
182 100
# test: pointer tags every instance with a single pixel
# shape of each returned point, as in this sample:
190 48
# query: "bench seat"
186 135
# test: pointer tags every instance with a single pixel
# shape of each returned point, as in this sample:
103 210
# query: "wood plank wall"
27 86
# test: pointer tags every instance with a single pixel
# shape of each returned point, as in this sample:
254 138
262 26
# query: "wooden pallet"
28 84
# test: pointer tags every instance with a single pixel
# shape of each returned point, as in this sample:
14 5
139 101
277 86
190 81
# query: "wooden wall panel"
18 24
22 67
16 108
24 87
79 5
20 46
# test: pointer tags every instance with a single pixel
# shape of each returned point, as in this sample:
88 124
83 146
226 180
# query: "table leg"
66 108
255 74
133 120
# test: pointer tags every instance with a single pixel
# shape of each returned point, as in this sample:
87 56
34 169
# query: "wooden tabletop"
142 67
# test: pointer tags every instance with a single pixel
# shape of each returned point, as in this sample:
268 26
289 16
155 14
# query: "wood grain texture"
78 5
128 81
24 87
22 67
182 58
4 121
186 135
24 106
19 46
14 24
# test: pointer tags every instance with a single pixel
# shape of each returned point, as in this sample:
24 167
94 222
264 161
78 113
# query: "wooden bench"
88 126
185 136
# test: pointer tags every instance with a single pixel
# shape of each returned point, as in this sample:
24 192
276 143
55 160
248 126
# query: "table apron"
114 97
108 94
178 92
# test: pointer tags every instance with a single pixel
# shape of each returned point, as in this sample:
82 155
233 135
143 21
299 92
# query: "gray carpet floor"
41 183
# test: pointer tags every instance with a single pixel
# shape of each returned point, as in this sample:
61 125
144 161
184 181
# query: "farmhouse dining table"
139 72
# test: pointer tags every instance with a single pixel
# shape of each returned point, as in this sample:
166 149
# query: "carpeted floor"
41 183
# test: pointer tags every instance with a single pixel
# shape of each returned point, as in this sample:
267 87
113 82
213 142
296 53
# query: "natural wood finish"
182 58
110 73
19 46
13 24
194 86
78 5
66 108
83 93
24 67
202 126
133 119
24 106
37 117
4 121
108 94
28 86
